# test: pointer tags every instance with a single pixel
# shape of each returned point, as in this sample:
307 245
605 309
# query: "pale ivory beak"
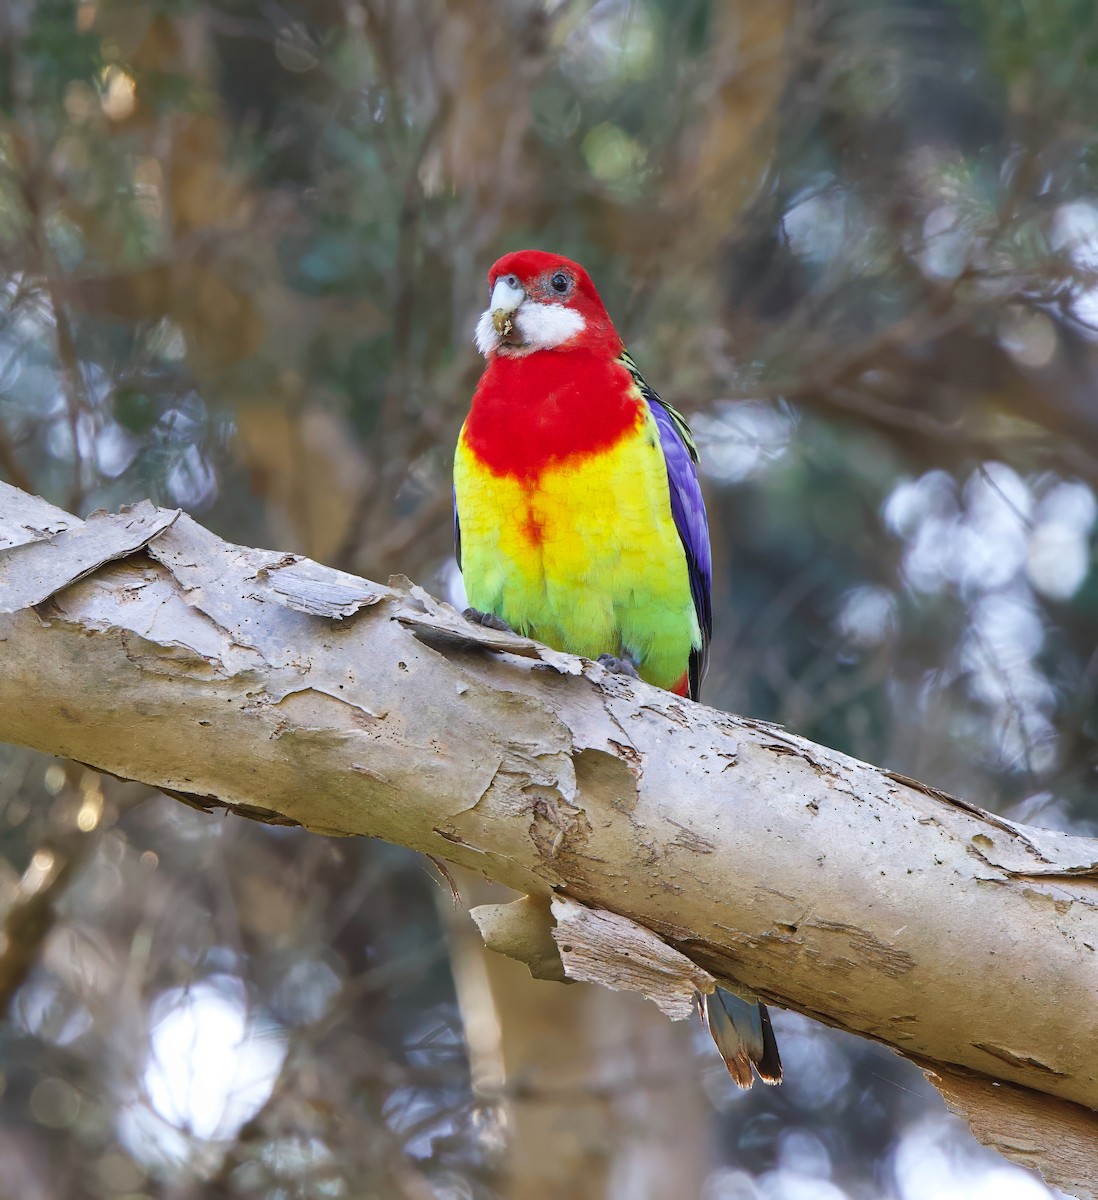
507 295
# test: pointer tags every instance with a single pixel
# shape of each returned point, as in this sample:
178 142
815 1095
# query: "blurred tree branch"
10 465
32 915
145 646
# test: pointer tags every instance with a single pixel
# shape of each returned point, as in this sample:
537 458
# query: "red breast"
530 412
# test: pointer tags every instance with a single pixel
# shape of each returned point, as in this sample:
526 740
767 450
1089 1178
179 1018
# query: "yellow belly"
585 557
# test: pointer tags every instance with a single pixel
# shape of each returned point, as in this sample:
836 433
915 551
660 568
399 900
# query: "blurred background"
244 244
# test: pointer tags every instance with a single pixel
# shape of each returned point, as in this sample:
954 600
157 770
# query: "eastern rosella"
579 520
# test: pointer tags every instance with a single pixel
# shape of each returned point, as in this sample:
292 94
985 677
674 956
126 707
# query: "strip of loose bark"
35 570
873 902
602 947
1057 1138
523 930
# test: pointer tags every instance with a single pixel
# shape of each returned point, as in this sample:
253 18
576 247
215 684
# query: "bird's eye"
559 282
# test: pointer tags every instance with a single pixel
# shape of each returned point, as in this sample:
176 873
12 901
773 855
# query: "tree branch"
288 691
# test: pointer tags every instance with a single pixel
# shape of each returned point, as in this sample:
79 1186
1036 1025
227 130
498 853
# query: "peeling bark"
277 687
523 930
1057 1138
603 947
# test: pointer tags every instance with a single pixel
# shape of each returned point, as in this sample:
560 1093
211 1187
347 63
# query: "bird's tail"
744 1036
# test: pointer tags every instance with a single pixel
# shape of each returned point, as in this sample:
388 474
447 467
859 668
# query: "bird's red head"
542 301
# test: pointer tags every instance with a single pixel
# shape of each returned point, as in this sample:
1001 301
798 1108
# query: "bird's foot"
487 619
619 666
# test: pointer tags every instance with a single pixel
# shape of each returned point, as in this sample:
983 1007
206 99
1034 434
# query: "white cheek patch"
486 337
546 326
539 326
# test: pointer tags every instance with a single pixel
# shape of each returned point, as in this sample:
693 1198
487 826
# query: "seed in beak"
502 322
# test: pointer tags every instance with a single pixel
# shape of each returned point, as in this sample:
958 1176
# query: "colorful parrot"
579 520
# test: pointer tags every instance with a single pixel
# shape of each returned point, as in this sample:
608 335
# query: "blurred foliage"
243 247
